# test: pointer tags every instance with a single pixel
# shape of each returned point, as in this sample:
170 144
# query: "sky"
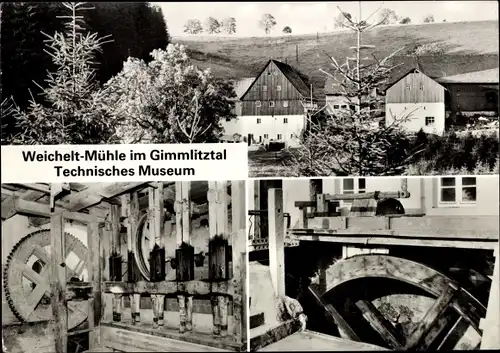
311 17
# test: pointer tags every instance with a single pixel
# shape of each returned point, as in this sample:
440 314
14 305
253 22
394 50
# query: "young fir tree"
72 110
355 141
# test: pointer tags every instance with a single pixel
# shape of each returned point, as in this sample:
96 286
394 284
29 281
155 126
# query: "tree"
357 141
287 30
193 26
428 18
267 22
212 26
387 17
405 21
73 111
429 49
229 25
168 100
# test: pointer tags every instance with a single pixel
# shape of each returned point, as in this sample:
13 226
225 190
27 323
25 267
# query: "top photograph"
313 89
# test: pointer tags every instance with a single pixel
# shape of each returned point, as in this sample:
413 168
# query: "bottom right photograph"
376 263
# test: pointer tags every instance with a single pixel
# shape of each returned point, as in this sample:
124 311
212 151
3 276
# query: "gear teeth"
10 257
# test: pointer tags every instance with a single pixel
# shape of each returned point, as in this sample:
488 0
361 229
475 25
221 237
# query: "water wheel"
399 304
26 278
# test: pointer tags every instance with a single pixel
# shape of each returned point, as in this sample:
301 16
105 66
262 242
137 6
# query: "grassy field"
244 57
267 164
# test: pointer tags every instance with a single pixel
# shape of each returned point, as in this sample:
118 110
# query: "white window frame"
258 104
343 106
259 120
279 137
271 104
336 106
285 104
278 88
266 136
264 88
356 190
285 120
408 87
459 202
433 123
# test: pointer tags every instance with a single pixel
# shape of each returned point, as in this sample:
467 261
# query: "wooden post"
316 194
213 212
58 283
107 307
184 252
238 211
116 260
256 219
160 235
132 201
276 240
94 278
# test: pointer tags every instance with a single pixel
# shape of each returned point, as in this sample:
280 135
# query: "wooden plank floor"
313 341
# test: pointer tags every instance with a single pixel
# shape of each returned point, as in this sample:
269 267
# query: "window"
260 139
353 186
285 104
285 120
275 73
408 87
291 136
344 106
335 106
259 120
271 104
429 120
266 136
457 190
421 87
278 88
264 88
257 104
279 136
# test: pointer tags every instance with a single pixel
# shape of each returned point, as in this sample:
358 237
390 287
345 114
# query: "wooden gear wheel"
439 313
27 283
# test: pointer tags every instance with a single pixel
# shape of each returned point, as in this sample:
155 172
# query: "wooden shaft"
182 312
189 313
223 304
154 299
215 315
161 310
369 195
117 307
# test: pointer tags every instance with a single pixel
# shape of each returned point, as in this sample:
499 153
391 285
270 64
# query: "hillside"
244 57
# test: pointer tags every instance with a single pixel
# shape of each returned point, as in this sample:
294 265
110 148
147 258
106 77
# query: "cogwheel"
29 261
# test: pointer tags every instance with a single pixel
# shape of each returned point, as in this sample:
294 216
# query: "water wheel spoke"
454 334
380 324
335 316
33 276
34 298
433 321
75 308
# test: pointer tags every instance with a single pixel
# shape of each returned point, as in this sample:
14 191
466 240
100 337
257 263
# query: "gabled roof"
412 71
297 79
483 76
431 65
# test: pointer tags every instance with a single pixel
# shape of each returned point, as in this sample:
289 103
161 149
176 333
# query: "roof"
412 71
433 66
296 78
483 76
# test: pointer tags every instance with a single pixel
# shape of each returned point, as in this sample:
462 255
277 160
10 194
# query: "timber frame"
106 208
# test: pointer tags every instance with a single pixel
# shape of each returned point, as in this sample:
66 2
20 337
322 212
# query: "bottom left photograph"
130 267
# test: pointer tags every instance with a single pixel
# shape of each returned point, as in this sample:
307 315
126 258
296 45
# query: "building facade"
273 107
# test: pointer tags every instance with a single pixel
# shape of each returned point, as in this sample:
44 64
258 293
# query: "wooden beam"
368 195
276 240
15 205
431 318
273 335
93 196
35 187
380 324
58 284
334 315
195 287
93 269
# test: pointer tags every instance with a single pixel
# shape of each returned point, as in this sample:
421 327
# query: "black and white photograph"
314 89
124 267
366 264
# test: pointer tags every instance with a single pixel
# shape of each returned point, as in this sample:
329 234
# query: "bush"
453 154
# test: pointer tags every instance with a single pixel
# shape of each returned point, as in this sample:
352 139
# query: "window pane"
448 181
469 181
469 194
362 183
448 195
348 184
